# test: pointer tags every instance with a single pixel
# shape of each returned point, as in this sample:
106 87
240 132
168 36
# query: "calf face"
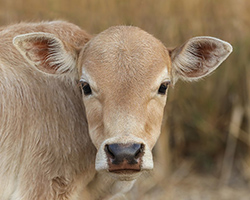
124 74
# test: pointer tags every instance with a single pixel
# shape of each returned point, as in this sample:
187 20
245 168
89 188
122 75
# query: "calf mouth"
124 171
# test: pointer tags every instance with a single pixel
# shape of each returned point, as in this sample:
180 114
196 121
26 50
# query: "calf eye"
86 88
163 88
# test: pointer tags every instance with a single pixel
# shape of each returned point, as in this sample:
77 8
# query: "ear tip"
16 40
228 47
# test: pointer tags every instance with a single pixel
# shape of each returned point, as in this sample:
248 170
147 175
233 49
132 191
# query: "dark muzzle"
124 158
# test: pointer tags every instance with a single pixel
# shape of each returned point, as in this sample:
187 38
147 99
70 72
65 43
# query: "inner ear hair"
46 52
198 57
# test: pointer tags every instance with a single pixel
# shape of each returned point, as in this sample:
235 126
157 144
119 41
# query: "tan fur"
47 148
44 144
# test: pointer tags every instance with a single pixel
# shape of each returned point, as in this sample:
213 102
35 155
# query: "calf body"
56 143
45 149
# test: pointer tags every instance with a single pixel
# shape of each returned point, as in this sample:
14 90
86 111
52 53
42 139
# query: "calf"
59 141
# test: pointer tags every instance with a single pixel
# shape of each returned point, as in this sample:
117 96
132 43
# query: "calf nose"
124 156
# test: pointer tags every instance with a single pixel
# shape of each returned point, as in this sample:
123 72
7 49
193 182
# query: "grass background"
204 147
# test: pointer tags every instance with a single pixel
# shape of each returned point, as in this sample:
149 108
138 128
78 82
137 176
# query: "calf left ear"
46 52
198 57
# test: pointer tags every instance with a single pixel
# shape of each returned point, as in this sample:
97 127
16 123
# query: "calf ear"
198 57
46 52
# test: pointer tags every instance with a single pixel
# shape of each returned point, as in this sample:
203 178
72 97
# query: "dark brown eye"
86 88
163 88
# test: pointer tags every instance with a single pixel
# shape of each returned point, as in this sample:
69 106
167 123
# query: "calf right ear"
198 57
46 52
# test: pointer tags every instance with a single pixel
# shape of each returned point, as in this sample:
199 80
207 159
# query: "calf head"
124 74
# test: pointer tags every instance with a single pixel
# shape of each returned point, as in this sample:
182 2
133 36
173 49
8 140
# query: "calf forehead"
124 56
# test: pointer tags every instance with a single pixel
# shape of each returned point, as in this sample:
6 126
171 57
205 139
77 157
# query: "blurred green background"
207 123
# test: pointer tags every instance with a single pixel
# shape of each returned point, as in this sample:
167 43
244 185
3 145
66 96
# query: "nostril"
140 150
109 151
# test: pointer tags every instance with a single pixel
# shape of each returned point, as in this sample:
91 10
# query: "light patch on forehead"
165 76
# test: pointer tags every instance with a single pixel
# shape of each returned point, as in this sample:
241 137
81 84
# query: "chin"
125 175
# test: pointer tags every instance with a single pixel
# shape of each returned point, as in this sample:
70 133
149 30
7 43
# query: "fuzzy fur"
45 149
52 138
